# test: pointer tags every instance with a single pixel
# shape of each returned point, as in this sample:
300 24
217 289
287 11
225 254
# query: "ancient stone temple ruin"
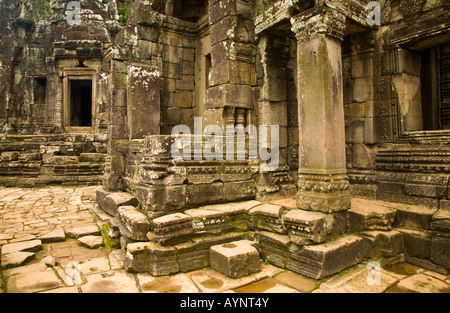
167 104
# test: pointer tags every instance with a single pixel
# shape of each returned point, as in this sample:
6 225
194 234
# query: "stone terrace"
39 229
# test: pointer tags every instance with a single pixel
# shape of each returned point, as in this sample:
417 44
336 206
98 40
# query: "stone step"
412 216
235 259
161 260
305 227
111 201
369 215
135 222
382 243
323 260
173 229
267 217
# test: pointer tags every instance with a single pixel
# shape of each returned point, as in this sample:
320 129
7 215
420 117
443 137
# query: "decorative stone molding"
319 20
323 183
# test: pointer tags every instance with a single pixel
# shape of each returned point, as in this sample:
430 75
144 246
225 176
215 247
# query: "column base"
323 202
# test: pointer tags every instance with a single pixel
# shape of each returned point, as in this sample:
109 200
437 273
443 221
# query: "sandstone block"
78 232
239 191
440 223
92 242
267 217
136 222
92 157
203 194
440 251
274 248
194 255
414 216
320 261
209 222
305 227
383 243
417 243
173 228
152 258
15 259
235 259
117 199
57 235
366 215
24 246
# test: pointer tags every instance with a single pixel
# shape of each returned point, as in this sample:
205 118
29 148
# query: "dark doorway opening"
81 103
40 90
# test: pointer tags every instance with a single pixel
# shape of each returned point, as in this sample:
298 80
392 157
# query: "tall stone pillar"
323 181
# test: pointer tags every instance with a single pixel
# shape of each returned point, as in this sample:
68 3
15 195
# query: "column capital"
319 20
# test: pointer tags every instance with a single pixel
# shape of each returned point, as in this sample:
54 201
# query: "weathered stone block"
383 243
9 156
235 259
159 200
237 212
417 243
239 191
25 246
136 222
195 254
183 99
414 216
267 217
117 199
209 221
320 261
173 229
149 257
367 215
202 194
305 227
274 248
77 232
440 223
92 157
440 251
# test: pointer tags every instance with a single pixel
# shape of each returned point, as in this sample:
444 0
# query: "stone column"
323 182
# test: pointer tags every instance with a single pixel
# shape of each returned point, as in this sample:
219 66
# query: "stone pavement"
39 232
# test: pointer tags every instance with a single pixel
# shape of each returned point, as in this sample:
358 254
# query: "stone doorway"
80 103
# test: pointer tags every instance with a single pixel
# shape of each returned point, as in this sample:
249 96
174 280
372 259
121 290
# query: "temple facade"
180 109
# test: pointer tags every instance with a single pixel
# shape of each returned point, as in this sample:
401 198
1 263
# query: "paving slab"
402 270
16 259
110 282
267 285
78 232
359 279
91 242
94 266
33 282
211 281
56 235
179 283
23 270
422 283
25 246
298 282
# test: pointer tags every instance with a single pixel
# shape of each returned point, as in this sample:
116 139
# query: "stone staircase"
313 244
